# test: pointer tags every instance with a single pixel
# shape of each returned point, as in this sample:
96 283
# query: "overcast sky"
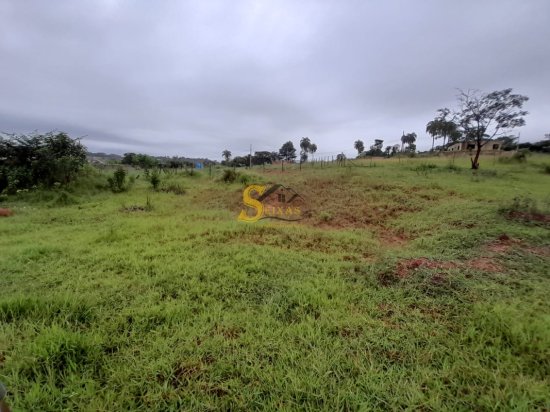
196 77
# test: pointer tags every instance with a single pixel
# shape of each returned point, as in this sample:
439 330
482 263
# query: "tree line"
478 119
286 153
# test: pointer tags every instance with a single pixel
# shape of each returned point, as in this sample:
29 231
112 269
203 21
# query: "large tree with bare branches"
482 117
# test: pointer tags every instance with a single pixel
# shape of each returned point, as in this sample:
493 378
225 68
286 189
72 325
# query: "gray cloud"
194 78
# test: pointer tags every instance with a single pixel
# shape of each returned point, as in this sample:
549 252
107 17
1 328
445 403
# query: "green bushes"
229 176
175 188
117 182
518 157
425 168
39 160
154 179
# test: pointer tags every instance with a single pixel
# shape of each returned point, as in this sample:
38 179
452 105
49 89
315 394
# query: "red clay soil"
502 244
485 264
6 212
405 267
505 243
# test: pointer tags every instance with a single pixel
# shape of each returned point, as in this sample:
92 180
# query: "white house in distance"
488 146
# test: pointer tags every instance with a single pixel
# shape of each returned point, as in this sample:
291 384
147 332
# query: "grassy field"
415 284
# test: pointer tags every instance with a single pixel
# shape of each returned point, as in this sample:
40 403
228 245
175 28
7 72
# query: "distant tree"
542 146
387 151
128 159
482 117
312 148
226 154
359 146
442 127
240 161
287 152
509 143
261 158
409 140
394 149
376 148
305 143
145 161
275 156
306 147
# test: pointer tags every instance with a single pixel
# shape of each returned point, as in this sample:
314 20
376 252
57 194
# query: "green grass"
178 306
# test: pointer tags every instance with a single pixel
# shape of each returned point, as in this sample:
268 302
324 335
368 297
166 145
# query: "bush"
244 179
117 182
425 168
229 176
518 157
325 216
174 188
63 199
546 169
154 179
42 160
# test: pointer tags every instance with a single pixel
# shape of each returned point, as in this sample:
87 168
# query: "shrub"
63 199
244 179
229 176
325 216
117 182
425 168
174 188
26 161
546 169
518 157
154 179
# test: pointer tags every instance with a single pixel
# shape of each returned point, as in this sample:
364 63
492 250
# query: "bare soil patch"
6 212
529 217
504 243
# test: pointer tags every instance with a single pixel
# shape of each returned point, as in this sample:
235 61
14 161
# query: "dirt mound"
504 243
6 212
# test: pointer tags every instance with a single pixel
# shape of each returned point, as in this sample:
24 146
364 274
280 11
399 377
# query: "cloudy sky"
195 77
